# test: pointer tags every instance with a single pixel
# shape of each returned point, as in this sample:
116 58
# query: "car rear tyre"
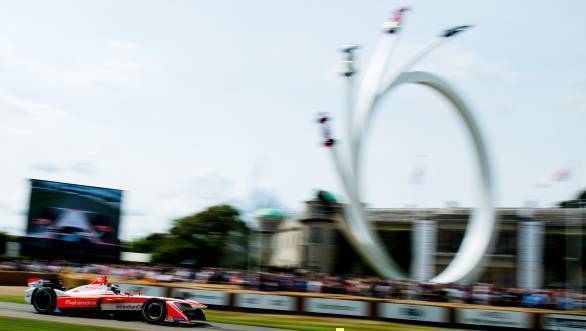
45 300
154 311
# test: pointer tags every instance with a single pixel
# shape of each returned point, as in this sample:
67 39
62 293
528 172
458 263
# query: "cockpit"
115 288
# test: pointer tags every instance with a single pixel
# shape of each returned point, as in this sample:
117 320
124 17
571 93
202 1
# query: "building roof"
270 213
324 196
382 215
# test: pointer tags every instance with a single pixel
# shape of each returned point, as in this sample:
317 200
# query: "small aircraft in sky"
394 24
455 30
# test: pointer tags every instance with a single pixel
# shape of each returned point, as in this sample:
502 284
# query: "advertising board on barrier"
564 322
413 312
156 291
335 306
265 301
503 318
217 298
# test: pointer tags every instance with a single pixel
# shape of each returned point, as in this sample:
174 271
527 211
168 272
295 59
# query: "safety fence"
405 311
419 312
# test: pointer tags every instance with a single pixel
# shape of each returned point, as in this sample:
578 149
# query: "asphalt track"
28 312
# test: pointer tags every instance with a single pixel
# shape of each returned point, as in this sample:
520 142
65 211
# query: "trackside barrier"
438 314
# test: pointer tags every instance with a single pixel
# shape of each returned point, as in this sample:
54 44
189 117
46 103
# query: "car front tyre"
198 315
44 300
154 311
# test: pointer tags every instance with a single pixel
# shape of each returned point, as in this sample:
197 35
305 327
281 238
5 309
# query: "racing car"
49 297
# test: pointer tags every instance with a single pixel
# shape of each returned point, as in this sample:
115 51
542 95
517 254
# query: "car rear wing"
56 284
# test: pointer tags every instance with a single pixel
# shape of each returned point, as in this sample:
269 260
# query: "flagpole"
567 177
564 176
579 241
578 244
568 247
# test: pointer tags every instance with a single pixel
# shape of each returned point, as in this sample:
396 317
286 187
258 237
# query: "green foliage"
3 239
147 244
579 202
214 237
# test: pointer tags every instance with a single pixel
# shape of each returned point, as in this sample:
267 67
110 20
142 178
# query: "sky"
186 104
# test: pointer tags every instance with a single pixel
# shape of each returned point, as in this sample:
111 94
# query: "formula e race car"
99 298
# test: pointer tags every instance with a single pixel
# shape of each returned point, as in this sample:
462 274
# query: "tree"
147 244
214 237
579 202
3 239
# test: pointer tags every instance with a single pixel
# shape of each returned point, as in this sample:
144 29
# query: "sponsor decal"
79 303
413 312
335 306
510 319
564 322
121 306
265 301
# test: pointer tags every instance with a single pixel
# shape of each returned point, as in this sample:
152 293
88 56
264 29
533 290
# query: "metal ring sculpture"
477 239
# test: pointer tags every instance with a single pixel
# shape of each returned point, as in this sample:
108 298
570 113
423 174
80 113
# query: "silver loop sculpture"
377 84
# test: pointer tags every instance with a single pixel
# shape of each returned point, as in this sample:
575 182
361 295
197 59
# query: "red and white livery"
49 297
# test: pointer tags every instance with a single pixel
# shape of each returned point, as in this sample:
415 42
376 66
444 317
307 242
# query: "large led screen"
70 221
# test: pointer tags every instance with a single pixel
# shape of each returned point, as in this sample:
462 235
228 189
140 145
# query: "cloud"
135 213
191 195
12 103
45 167
118 64
460 63
211 186
47 128
22 116
574 98
83 168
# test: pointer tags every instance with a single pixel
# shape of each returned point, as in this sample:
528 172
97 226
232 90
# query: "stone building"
534 247
269 220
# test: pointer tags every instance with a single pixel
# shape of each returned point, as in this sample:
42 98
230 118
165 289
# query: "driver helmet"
115 288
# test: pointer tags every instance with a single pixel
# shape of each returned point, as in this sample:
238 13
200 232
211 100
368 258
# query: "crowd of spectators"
484 294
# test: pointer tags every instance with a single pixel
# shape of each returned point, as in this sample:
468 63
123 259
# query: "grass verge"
12 298
305 323
22 324
292 322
